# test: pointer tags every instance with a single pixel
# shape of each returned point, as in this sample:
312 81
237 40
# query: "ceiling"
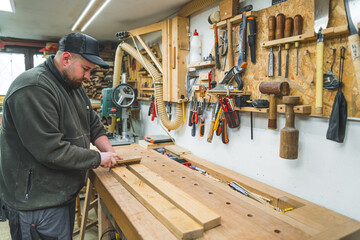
49 20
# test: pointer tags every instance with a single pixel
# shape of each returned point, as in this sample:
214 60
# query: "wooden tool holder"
303 84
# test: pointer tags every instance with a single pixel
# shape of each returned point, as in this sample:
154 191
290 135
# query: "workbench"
241 216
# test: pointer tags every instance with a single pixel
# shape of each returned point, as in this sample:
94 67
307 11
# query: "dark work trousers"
55 223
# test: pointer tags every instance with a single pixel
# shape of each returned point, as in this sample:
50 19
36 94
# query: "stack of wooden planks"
100 78
184 216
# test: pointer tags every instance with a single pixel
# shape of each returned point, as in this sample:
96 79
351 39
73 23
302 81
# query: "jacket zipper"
28 185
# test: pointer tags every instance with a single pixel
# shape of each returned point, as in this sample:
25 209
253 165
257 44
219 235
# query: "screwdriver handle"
289 27
218 130
271 26
193 130
211 131
224 136
202 127
190 118
280 22
298 25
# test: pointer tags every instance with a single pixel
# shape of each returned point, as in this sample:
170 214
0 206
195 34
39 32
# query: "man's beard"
72 83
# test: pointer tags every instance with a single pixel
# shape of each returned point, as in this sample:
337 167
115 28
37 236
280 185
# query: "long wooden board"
198 211
181 225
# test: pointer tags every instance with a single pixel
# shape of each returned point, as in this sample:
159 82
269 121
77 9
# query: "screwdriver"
289 26
298 24
280 21
271 26
224 136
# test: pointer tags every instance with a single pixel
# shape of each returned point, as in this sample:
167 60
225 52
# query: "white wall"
326 173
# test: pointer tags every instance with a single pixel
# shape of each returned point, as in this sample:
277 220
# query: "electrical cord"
108 231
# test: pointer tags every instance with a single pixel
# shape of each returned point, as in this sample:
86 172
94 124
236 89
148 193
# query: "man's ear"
66 59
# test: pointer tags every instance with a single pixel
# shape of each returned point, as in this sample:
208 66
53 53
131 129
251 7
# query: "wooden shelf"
237 19
200 65
252 109
144 98
224 92
147 89
309 36
298 109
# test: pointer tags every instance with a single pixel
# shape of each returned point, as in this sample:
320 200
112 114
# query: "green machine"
115 102
108 107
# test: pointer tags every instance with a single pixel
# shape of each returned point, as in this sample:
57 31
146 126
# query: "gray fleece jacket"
46 133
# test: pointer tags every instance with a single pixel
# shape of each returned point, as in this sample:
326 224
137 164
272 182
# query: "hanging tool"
298 24
211 129
280 22
271 27
321 19
352 8
218 119
338 117
213 19
289 135
252 37
289 25
274 89
244 32
331 81
239 44
224 136
233 73
194 119
223 47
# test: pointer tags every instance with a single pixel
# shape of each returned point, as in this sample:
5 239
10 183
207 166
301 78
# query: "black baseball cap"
86 46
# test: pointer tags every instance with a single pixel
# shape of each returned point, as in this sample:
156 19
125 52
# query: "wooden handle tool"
289 135
129 160
280 22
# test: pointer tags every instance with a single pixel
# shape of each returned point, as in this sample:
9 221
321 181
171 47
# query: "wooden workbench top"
241 217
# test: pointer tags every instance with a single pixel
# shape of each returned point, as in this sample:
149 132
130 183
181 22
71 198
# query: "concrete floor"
90 234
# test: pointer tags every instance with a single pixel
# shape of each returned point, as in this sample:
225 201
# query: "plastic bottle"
195 48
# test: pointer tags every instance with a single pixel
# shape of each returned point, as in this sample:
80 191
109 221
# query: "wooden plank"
200 65
196 210
147 29
148 145
195 6
177 149
349 231
129 159
175 220
252 109
133 218
151 54
298 109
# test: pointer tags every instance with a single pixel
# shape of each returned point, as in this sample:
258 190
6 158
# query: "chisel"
289 25
298 23
280 21
271 26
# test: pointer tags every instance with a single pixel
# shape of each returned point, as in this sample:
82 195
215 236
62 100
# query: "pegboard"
303 84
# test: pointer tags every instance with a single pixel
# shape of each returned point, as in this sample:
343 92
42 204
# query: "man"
48 124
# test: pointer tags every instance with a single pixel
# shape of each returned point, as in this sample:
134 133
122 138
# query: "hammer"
289 135
213 19
274 89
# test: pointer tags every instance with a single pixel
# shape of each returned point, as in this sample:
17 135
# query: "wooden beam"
147 29
151 54
175 220
196 210
194 6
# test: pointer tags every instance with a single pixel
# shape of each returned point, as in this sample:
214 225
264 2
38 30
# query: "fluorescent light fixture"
95 15
89 14
91 3
7 5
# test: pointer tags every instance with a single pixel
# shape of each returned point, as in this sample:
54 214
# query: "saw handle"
319 77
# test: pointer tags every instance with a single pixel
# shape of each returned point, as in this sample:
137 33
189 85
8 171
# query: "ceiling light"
7 5
89 14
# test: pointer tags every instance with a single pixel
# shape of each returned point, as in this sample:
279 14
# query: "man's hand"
108 159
